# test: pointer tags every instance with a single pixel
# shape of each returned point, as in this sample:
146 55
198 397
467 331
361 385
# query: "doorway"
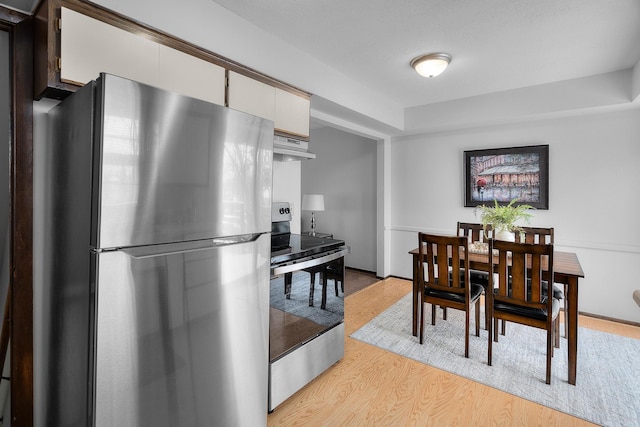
345 172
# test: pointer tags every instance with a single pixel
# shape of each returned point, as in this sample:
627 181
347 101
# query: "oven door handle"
309 262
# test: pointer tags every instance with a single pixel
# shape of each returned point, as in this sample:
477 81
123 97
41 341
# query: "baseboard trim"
610 319
360 270
393 276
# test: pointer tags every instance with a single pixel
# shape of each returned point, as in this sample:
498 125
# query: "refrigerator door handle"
140 252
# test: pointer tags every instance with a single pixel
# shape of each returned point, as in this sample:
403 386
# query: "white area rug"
607 390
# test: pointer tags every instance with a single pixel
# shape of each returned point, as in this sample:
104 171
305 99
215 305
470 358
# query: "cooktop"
301 245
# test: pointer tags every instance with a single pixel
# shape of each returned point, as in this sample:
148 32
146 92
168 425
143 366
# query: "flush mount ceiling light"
432 64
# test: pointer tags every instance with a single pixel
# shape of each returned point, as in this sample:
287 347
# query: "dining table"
566 270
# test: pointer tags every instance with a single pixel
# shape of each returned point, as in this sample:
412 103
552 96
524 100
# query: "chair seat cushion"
476 291
534 313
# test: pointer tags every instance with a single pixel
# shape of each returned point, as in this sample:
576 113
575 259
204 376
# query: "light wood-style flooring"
356 280
373 387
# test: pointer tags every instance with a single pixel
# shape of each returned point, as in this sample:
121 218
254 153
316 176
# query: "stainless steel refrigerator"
156 274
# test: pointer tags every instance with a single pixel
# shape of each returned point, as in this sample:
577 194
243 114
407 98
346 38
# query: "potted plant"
503 218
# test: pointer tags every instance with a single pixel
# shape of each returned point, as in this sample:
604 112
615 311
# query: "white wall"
286 188
594 196
345 173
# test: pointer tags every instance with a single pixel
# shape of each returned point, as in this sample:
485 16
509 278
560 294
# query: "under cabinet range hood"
288 149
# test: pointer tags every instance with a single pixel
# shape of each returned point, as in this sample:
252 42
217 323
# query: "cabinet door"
251 96
89 47
191 76
292 113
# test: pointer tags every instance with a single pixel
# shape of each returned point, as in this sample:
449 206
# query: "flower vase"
506 235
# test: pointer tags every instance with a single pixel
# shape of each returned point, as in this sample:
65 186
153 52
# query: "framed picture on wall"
504 174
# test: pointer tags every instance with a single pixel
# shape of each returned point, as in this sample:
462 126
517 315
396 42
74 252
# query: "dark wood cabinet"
46 53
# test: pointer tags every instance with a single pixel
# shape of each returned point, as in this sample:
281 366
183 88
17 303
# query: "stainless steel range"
306 320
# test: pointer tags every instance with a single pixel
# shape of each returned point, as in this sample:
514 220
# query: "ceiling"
496 45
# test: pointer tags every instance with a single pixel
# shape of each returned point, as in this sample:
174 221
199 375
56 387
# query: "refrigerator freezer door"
182 337
170 168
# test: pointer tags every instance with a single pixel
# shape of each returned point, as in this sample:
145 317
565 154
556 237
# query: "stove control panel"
280 211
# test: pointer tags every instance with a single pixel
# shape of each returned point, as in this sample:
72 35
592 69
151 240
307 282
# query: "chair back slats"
431 276
518 276
474 231
520 271
536 277
432 250
443 267
502 272
535 235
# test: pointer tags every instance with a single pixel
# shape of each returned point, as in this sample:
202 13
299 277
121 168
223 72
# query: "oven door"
303 300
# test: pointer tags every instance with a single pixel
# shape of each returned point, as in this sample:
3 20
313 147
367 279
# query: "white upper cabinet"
292 113
289 111
191 76
75 49
251 96
89 47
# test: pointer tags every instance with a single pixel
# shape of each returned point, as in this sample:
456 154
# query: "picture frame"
504 174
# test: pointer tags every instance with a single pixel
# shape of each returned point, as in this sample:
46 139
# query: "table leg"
566 324
416 294
572 320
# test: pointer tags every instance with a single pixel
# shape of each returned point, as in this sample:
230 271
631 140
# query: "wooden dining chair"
476 232
444 286
545 235
518 295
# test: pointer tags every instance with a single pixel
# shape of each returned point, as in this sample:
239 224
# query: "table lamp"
313 203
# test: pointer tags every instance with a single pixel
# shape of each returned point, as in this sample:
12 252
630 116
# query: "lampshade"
432 64
313 202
